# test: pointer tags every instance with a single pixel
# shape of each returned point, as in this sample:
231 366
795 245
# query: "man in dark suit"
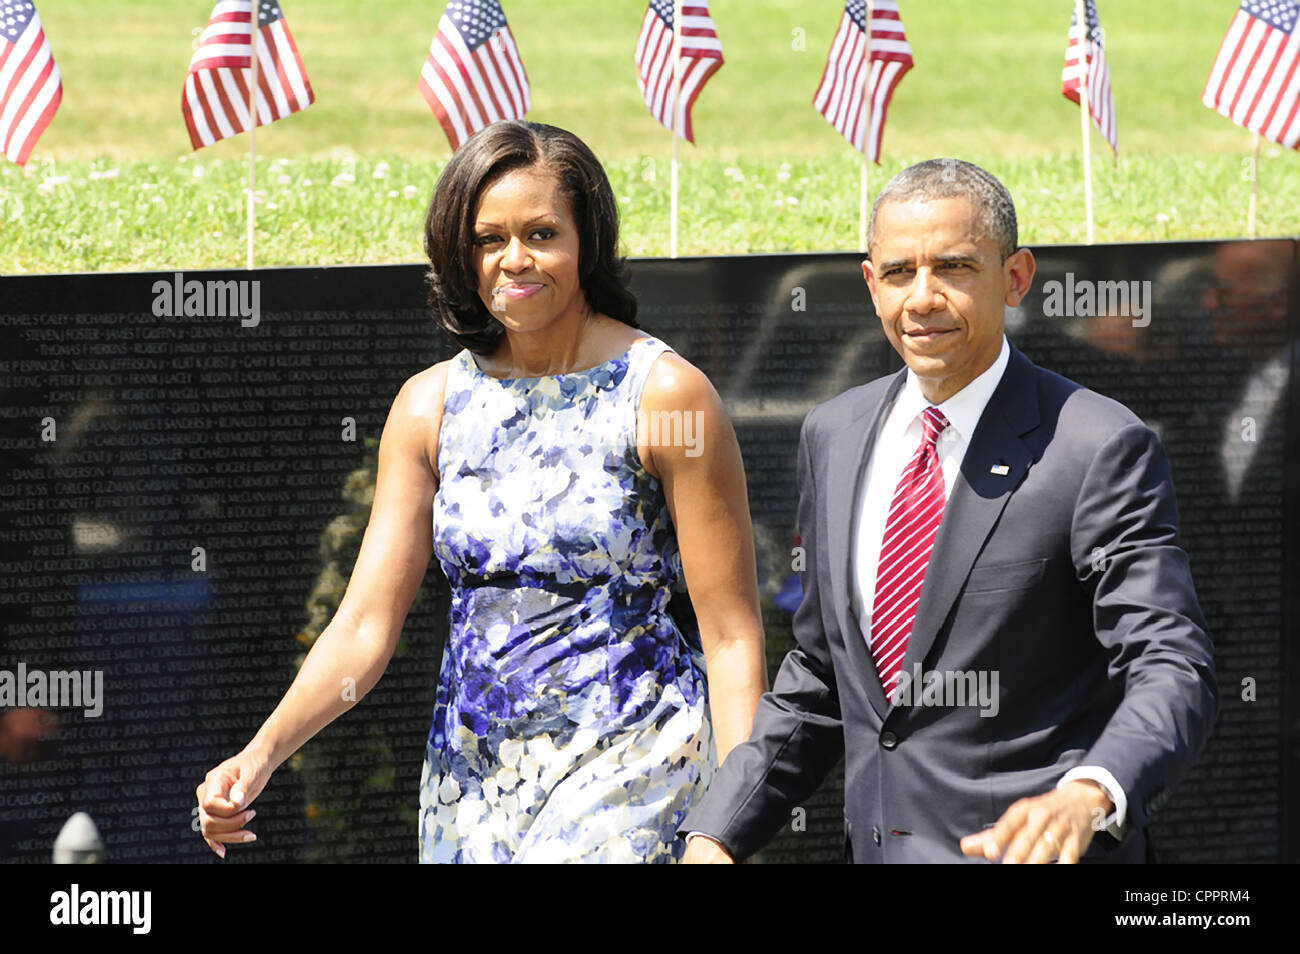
998 630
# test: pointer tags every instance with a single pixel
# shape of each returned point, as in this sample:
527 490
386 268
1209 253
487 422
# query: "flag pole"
252 128
863 191
1254 187
672 126
1082 21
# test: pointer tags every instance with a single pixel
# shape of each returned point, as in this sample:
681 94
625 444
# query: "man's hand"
703 850
1056 826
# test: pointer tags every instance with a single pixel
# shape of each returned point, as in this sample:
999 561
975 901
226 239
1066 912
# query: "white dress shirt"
1259 400
900 434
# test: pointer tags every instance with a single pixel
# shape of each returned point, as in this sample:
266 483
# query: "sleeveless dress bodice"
570 721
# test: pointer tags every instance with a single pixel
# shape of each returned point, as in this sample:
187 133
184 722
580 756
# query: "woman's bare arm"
700 467
351 654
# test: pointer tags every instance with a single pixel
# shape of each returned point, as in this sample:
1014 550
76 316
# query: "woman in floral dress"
568 471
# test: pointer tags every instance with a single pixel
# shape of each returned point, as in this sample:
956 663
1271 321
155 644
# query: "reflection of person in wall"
571 720
26 733
1247 303
27 736
981 519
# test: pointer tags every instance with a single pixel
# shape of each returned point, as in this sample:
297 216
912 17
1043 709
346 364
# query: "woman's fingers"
241 836
212 791
217 831
225 826
223 796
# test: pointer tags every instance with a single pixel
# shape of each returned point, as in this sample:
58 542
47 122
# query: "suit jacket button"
889 740
875 835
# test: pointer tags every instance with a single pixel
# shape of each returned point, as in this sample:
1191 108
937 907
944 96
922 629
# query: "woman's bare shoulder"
416 414
673 382
420 397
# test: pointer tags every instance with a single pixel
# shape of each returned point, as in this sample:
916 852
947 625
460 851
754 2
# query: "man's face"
1248 299
940 289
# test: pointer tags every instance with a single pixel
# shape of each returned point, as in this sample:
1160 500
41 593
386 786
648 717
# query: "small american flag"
1256 77
30 88
1090 50
701 56
839 97
215 101
474 76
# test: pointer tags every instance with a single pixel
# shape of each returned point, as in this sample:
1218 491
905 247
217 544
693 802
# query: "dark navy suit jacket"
1062 573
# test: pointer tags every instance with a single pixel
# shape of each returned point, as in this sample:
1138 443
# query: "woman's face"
526 250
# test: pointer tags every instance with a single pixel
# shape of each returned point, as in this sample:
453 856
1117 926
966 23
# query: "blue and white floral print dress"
571 720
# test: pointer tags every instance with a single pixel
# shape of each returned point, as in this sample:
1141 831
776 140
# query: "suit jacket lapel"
846 461
977 499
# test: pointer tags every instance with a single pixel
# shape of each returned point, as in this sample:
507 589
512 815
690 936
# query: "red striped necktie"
905 551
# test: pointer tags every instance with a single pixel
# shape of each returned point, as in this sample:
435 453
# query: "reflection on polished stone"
181 511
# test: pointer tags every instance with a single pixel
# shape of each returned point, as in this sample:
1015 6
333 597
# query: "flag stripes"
215 98
1255 81
701 57
31 88
841 94
473 75
1085 55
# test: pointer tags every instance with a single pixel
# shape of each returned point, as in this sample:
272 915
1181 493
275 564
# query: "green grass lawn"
113 184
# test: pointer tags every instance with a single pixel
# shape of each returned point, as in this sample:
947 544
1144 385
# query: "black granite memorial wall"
186 464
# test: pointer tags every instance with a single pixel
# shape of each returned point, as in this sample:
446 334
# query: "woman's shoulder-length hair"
449 226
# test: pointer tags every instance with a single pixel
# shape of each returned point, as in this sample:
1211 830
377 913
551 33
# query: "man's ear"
1019 269
870 276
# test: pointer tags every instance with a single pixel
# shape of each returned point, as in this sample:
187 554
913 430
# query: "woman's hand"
355 647
224 797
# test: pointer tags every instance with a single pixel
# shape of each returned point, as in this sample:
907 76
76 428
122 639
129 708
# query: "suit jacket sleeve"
797 736
1124 546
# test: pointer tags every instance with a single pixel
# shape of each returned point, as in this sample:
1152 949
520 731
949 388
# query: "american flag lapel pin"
1000 469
